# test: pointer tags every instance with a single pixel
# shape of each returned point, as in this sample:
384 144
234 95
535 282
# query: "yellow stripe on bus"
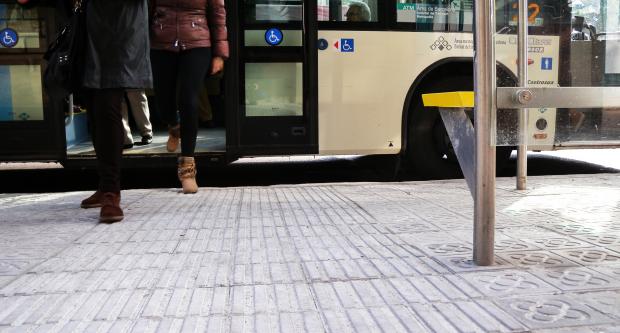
455 99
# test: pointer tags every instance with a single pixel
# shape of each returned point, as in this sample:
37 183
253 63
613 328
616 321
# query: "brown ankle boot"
187 174
93 201
174 137
111 208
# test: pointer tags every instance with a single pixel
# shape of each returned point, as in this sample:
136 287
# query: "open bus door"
274 86
31 125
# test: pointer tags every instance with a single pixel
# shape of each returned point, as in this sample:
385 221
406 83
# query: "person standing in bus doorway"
188 40
116 59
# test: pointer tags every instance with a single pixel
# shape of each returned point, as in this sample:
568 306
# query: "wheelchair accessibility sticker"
274 36
347 45
8 37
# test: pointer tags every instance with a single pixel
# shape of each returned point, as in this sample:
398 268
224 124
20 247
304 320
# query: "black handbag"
65 56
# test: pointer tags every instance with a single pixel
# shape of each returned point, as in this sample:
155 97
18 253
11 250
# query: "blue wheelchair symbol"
274 36
347 45
8 37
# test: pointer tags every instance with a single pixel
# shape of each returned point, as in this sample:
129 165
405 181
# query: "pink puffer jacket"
178 25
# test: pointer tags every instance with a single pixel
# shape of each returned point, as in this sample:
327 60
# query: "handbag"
65 56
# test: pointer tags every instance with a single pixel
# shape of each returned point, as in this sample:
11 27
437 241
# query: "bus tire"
429 153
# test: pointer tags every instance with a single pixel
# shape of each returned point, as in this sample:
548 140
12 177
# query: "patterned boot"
187 174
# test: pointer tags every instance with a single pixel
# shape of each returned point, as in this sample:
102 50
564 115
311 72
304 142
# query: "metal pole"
485 86
523 113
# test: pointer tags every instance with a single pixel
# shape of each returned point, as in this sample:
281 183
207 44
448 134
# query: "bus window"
348 10
273 89
21 92
24 22
436 15
281 11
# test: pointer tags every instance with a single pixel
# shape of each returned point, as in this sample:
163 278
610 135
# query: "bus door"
276 93
31 127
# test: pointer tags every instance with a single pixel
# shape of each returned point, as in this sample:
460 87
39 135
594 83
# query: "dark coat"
118 48
179 25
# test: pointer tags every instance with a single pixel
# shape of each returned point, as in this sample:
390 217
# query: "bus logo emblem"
441 44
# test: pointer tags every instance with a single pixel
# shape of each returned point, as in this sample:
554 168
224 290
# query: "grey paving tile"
561 242
27 252
16 266
591 256
535 259
588 329
170 325
612 271
607 239
503 283
607 302
5 280
337 321
465 317
527 231
579 278
410 227
465 263
575 228
538 312
447 249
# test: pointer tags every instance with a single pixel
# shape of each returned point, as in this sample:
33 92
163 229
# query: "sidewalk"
390 257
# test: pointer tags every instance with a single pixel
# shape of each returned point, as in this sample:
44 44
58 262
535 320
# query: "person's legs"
106 105
127 130
140 110
165 72
193 66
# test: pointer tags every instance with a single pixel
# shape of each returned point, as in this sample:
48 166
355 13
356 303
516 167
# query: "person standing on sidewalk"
136 100
188 40
117 59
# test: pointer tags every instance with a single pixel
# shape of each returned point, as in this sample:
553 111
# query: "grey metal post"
523 113
484 87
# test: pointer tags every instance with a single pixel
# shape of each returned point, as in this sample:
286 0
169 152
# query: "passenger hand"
217 65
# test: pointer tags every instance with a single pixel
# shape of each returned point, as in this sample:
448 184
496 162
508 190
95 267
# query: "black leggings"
185 71
105 116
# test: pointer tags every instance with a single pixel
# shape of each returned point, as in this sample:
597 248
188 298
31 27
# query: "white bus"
315 77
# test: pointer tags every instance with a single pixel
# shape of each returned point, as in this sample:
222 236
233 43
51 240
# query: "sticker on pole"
347 45
274 36
8 37
546 64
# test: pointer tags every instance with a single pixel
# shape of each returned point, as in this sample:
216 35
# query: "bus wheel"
429 153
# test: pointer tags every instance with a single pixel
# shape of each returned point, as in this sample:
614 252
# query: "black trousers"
104 111
185 71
